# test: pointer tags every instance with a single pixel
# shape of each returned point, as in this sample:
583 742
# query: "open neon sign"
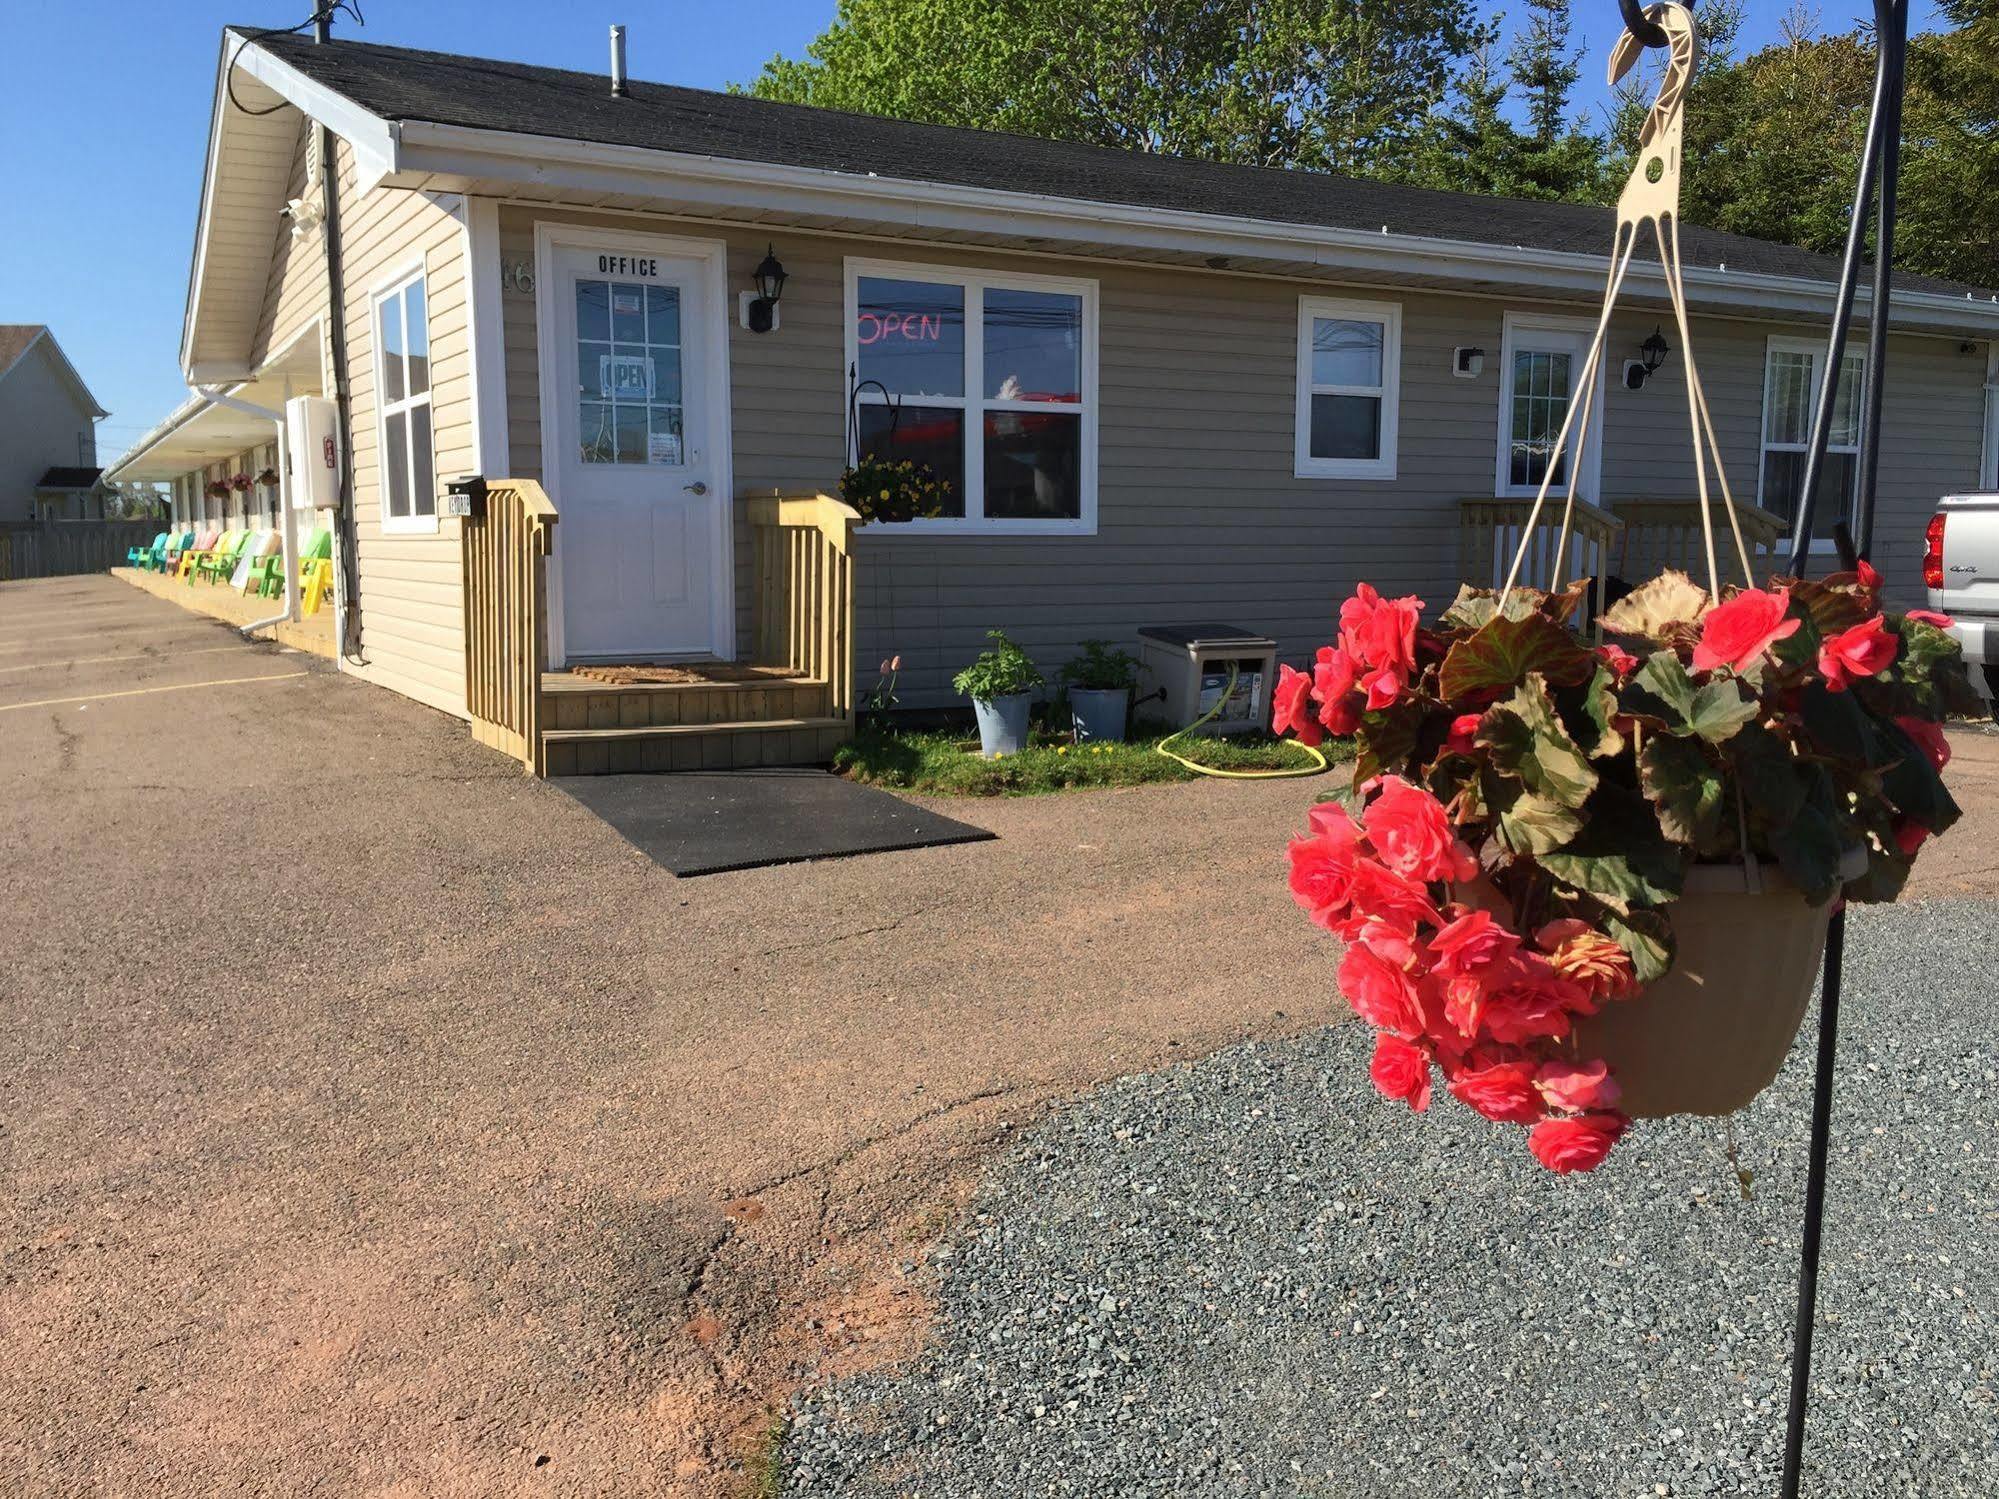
872 327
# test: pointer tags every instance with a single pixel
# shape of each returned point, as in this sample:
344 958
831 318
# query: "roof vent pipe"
618 88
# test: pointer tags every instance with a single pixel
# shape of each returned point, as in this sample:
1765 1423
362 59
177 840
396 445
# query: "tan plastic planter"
1712 1034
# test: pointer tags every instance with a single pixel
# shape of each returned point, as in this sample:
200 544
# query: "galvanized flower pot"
1002 723
1098 713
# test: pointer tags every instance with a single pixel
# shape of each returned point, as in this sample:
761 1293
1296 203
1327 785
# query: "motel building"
567 368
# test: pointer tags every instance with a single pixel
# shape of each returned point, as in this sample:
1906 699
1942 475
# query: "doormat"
714 821
680 673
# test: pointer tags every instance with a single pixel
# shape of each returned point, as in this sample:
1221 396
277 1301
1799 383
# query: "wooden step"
627 750
572 703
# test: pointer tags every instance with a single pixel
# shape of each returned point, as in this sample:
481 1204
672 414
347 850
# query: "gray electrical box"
1191 664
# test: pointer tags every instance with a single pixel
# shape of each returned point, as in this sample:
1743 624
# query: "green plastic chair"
221 559
136 556
269 572
163 546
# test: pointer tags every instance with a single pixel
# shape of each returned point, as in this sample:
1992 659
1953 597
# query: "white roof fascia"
376 142
466 155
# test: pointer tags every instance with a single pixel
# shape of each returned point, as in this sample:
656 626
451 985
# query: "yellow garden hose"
1238 775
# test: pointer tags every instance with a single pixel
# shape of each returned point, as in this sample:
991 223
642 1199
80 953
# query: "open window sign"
625 377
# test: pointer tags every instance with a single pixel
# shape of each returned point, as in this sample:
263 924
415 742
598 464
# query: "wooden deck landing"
728 715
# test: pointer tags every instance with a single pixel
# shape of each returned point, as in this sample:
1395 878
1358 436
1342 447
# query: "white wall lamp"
1467 361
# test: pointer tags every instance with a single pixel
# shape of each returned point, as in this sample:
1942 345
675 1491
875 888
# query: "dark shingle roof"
68 478
398 83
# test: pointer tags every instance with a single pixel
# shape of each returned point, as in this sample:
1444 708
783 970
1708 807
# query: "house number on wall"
516 275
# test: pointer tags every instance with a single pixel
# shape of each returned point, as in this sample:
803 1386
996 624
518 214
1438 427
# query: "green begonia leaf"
1529 742
1685 786
1647 937
1621 857
1661 689
1501 653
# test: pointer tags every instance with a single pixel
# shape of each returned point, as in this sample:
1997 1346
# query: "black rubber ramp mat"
710 822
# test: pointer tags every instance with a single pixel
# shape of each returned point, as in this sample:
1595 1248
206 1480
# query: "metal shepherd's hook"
1651 196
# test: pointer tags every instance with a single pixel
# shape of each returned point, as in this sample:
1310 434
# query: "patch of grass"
949 764
764 1466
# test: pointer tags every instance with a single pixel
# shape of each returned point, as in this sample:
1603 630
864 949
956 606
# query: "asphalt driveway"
377 1121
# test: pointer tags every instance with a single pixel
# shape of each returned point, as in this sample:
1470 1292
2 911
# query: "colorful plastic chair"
221 561
204 543
255 558
136 556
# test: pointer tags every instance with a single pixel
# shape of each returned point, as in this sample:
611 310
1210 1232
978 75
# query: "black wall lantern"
761 315
1652 353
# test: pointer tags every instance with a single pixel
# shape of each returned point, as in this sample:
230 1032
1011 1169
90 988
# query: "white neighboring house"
48 430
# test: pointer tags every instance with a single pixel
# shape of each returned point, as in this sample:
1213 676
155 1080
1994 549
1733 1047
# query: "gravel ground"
1251 1276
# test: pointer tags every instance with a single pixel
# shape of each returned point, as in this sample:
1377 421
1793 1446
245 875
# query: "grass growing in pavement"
950 764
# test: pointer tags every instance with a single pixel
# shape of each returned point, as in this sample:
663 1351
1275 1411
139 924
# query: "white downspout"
287 521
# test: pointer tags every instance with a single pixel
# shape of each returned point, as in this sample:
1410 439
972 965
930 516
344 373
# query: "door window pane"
663 314
1346 426
663 441
597 436
933 435
631 434
1346 351
593 309
1540 401
628 313
911 336
1034 346
1034 465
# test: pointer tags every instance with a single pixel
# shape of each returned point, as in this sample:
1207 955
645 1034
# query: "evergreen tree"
1546 70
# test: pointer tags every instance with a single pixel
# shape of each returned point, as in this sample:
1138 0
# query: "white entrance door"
641 493
1541 363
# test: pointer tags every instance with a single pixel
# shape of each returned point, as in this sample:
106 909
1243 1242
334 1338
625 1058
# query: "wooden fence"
64 548
506 550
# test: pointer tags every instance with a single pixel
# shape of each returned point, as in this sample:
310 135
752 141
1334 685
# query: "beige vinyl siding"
1199 515
411 584
295 289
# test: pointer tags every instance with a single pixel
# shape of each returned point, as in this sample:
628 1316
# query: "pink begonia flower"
1618 660
1577 1086
1869 577
1579 1144
1503 1091
1381 994
1412 834
1291 707
1930 617
1859 652
1380 632
1380 893
1334 678
1737 633
1401 1070
1580 953
1464 732
1929 738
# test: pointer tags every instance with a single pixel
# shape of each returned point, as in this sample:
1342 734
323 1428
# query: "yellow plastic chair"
204 543
318 583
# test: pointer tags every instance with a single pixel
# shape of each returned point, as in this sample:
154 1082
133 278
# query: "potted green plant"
886 493
1591 884
1099 682
1001 686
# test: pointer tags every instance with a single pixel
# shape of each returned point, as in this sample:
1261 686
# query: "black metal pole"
1884 154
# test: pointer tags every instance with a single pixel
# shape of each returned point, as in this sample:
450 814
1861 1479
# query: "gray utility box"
1191 665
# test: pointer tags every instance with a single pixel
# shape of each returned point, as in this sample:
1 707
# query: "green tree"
1948 208
1342 85
1469 145
1546 70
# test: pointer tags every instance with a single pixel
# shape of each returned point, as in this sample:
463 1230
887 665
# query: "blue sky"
103 123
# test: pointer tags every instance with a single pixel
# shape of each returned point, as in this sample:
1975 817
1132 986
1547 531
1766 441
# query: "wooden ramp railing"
1489 533
804 590
506 544
1659 534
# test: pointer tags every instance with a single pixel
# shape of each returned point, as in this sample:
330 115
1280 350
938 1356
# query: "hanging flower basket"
267 479
240 483
883 493
1586 884
215 489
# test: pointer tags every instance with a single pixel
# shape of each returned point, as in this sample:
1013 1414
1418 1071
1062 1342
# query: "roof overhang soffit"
463 159
243 156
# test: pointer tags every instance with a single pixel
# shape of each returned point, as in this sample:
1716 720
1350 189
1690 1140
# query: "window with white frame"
402 380
1349 385
1792 378
990 380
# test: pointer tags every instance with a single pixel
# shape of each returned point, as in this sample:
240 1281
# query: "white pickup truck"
1961 571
